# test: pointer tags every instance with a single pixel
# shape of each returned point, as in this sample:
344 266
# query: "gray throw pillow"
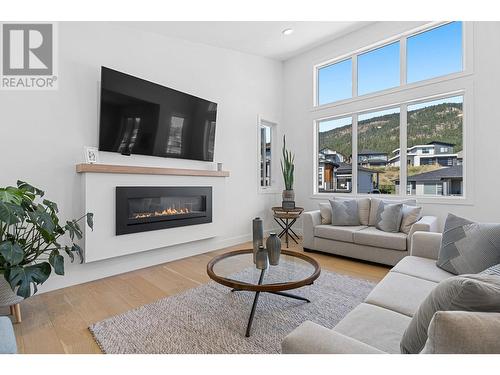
493 270
479 293
389 217
345 212
468 247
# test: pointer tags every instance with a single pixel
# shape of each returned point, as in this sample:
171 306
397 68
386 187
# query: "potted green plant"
31 235
287 168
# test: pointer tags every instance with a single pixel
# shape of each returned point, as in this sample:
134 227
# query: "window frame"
273 188
454 84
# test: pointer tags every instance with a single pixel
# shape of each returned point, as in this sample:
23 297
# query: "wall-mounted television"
142 117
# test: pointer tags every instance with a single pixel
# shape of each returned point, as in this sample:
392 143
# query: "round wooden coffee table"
236 270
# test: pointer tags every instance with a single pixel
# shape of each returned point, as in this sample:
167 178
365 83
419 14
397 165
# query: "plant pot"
7 296
288 195
273 245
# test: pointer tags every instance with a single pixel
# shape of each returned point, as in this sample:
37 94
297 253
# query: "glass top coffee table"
237 270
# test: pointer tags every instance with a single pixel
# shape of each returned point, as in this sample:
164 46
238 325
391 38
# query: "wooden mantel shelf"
132 169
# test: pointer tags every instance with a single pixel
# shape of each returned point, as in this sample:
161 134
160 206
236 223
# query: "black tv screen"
141 117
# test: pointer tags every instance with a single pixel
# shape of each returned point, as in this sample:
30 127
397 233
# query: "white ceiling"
257 38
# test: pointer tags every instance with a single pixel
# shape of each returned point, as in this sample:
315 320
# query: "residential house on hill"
432 153
443 181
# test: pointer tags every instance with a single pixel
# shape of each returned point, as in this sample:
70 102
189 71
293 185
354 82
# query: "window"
436 122
378 69
378 137
174 145
409 139
266 153
335 82
434 53
334 149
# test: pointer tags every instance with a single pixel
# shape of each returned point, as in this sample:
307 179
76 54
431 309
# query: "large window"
402 135
334 152
378 139
431 53
435 126
434 53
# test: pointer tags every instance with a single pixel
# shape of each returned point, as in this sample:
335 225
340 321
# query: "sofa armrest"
309 220
311 338
425 224
463 332
426 244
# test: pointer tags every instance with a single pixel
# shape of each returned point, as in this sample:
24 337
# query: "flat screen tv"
141 117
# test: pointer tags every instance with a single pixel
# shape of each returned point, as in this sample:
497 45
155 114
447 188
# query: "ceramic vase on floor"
273 245
257 235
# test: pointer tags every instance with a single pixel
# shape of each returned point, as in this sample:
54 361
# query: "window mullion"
403 148
402 61
354 76
354 159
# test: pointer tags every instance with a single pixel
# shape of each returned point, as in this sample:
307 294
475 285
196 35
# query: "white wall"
43 133
297 115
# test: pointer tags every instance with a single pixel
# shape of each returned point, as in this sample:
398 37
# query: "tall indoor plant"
287 168
30 238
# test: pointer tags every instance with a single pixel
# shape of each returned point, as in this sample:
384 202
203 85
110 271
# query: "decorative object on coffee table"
257 235
287 168
273 245
295 271
261 258
285 219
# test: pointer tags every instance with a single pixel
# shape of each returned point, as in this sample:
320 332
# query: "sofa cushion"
389 217
374 237
345 212
493 270
468 247
459 293
338 233
363 210
394 290
375 203
375 326
325 210
422 268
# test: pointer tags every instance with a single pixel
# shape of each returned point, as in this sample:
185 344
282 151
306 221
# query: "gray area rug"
211 319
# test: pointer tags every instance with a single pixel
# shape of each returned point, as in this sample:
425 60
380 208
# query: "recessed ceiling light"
287 31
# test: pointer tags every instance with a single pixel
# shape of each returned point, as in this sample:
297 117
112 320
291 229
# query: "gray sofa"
377 325
363 241
7 337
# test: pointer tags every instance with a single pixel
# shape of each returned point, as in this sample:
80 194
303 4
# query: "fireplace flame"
166 212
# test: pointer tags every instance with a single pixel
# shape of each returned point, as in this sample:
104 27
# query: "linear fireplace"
145 208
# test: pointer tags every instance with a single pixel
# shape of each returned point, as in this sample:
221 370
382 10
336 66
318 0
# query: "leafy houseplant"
287 168
30 232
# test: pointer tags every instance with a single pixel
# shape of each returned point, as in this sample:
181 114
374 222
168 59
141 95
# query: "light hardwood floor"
56 322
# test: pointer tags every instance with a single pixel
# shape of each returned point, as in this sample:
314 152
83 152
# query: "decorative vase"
261 258
273 245
257 235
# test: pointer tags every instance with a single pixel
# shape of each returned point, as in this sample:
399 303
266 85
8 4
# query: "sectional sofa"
377 325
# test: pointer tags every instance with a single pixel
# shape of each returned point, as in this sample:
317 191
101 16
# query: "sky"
429 54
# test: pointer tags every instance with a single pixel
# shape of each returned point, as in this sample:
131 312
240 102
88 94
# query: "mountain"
442 122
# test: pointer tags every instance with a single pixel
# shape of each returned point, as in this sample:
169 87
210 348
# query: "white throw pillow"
410 216
325 210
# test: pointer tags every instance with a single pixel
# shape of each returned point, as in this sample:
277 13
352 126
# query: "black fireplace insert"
145 208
